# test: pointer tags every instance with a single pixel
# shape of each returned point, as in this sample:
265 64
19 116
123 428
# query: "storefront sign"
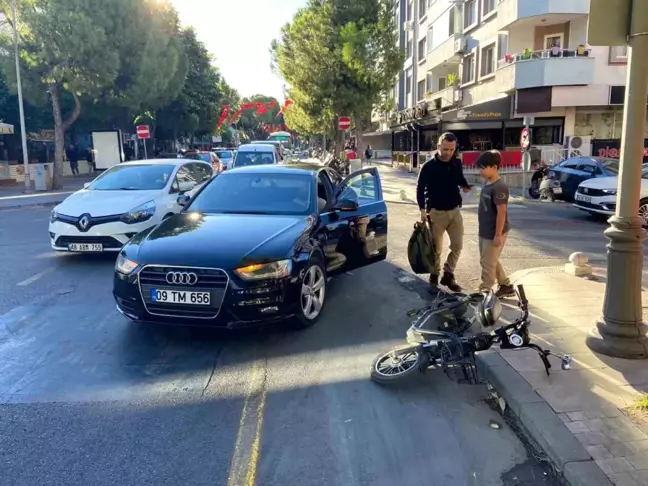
612 149
497 109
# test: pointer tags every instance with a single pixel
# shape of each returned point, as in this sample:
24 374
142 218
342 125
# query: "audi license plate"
166 296
586 199
85 247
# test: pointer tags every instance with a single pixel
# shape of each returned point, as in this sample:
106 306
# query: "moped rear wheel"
397 364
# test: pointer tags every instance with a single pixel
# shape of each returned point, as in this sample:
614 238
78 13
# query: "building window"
430 3
487 60
408 83
430 39
470 13
429 80
553 40
442 84
420 90
451 17
468 73
409 10
422 8
421 49
488 6
408 49
397 16
502 46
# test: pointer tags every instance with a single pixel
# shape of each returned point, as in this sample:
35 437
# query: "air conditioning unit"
457 95
578 146
460 45
408 26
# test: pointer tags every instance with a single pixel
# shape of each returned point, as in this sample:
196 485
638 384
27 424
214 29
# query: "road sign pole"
145 153
622 332
21 108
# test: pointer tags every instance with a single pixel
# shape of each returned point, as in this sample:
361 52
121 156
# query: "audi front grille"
211 280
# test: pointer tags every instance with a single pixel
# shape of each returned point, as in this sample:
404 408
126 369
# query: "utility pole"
23 133
622 332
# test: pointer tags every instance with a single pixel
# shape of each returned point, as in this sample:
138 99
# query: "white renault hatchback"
123 201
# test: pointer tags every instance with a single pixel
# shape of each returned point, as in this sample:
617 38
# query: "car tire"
314 274
643 211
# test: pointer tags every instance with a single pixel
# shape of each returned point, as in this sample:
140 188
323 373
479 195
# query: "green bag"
420 249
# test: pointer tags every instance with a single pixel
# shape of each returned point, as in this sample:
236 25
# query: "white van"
255 154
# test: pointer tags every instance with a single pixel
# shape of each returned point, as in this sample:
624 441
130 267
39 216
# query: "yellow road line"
247 449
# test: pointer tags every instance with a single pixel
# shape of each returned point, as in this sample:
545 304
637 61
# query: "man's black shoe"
505 291
449 281
434 284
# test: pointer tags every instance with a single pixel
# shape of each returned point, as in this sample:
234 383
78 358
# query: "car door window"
184 179
362 188
572 164
324 192
202 172
333 176
587 167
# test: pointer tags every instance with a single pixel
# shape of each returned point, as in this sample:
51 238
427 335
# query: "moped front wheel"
397 364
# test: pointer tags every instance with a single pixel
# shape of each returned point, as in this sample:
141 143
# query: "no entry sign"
344 123
525 139
143 131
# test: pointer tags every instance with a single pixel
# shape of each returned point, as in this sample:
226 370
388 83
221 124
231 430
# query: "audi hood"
224 241
104 203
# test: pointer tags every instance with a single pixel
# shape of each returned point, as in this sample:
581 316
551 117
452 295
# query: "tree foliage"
252 122
339 58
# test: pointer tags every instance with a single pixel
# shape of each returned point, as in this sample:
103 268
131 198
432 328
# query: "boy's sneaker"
505 291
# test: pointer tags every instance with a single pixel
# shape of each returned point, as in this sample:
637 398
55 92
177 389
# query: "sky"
238 34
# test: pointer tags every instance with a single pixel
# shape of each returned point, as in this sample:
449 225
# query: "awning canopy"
6 129
495 109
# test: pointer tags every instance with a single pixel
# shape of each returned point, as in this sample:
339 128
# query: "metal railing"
529 55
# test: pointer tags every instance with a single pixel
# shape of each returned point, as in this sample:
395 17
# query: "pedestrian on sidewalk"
439 199
368 154
494 226
73 157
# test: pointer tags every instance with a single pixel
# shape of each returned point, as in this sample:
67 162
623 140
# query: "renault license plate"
85 247
167 296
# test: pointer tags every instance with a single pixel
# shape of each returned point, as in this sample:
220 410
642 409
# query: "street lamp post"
23 133
622 332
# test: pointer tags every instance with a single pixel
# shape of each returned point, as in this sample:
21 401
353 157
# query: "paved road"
88 398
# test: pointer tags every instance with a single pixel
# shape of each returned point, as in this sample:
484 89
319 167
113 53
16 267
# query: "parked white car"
123 201
256 154
598 196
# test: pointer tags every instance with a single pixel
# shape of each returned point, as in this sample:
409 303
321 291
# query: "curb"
539 420
33 201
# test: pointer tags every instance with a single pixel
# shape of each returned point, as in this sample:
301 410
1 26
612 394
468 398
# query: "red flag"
262 109
272 104
287 103
236 115
223 116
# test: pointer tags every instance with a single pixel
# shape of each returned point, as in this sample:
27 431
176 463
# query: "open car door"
360 219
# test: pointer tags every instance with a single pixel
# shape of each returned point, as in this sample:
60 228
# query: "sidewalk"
13 197
583 418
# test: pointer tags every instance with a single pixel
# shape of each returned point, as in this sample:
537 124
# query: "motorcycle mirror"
566 362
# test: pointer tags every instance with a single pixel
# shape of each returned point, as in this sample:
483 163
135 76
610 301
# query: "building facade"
478 67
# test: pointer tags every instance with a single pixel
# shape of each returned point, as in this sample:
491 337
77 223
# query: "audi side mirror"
86 185
346 205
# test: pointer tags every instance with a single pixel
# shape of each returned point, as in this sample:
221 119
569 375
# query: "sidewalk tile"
599 452
639 461
641 477
577 427
629 448
594 438
615 465
623 479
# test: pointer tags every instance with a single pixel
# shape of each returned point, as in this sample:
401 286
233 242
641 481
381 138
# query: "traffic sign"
344 123
525 140
143 131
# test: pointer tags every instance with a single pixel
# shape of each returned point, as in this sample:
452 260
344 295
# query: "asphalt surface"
88 398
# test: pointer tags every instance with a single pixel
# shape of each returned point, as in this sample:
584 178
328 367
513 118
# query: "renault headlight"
140 213
610 192
260 271
124 265
53 216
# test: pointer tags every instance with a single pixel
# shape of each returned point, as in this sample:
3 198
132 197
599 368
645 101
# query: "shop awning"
494 109
6 129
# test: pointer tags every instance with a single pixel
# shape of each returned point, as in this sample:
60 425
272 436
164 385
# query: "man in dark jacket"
438 197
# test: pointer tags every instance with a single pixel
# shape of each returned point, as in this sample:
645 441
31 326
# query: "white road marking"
34 278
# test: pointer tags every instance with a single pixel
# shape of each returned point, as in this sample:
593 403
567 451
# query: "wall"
577 33
520 38
604 73
606 123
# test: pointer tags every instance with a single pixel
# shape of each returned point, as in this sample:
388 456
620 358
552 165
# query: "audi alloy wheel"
312 294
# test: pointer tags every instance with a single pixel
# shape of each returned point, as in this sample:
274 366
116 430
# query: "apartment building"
478 67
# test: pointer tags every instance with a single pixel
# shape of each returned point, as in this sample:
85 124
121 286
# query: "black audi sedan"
255 245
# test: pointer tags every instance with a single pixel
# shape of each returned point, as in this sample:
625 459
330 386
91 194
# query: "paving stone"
576 416
641 477
585 473
599 452
615 465
623 479
594 438
564 418
639 461
577 427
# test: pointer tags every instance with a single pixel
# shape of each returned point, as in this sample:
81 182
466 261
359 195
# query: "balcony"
449 50
535 69
511 12
440 100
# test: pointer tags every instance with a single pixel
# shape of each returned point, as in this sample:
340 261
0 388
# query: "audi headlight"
140 213
124 265
259 271
53 216
610 192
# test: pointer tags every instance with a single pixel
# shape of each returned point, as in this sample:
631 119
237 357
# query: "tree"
342 55
122 51
196 109
251 121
